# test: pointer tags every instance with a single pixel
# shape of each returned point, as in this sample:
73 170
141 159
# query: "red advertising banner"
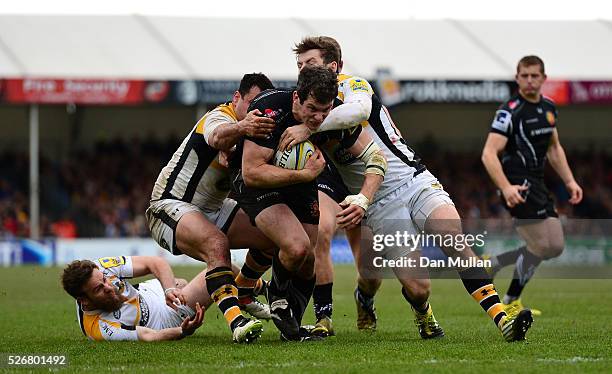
589 92
78 91
558 91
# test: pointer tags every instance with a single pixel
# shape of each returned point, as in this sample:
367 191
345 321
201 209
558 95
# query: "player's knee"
553 250
298 251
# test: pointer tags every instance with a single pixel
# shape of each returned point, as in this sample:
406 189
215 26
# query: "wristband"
167 290
359 199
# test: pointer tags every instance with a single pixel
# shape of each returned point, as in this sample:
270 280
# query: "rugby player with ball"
283 202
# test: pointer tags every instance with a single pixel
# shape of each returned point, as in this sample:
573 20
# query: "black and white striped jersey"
403 162
194 174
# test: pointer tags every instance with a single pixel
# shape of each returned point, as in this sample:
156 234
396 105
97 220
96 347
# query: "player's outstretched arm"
558 160
257 173
188 327
355 109
144 265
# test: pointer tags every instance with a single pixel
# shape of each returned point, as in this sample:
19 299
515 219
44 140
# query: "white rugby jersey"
194 174
403 163
145 308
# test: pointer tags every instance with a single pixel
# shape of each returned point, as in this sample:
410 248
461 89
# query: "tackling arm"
224 134
355 109
355 206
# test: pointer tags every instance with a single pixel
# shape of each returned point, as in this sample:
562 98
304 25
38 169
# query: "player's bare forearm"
257 173
558 161
371 184
225 137
270 176
146 334
144 265
494 169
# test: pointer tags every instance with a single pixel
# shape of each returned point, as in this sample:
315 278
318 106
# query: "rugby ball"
295 157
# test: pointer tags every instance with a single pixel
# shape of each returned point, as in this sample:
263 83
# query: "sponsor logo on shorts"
268 195
324 186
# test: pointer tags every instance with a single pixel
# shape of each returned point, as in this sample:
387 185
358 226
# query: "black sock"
421 309
508 258
526 264
322 300
300 293
281 279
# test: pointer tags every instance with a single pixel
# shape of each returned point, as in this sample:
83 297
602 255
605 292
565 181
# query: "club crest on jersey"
111 262
272 113
550 117
359 85
513 104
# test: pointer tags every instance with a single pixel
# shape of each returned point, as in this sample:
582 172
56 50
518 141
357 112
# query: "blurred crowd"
103 192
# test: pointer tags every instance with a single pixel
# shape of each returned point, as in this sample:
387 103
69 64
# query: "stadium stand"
103 192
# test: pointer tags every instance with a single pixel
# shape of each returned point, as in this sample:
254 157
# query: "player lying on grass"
110 308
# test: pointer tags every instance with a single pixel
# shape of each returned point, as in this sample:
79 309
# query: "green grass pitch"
573 334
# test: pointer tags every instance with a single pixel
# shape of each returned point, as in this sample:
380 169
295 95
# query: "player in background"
110 308
283 203
524 132
409 200
190 212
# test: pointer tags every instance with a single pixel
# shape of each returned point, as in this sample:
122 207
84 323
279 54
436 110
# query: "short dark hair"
249 81
75 275
329 47
530 61
319 82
